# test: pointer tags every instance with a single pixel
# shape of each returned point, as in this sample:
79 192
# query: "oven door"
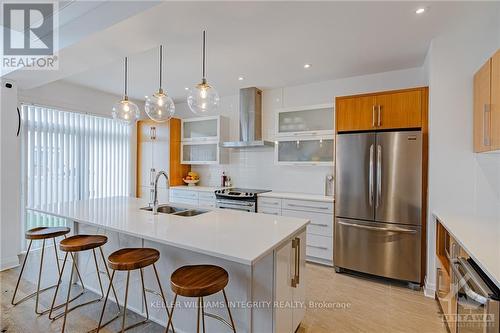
476 312
245 206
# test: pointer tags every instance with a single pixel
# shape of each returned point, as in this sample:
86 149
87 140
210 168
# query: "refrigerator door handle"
370 177
379 174
367 227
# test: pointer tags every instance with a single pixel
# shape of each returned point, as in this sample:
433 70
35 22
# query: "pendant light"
126 110
159 106
203 98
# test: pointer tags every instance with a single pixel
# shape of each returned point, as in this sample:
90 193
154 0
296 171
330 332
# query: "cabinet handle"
152 176
487 124
379 108
269 202
319 224
317 247
305 206
373 115
296 273
270 213
153 131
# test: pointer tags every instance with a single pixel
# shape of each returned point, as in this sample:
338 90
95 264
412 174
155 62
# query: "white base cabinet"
319 247
290 296
193 197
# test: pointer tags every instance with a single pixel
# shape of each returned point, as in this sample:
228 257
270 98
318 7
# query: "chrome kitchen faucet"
155 194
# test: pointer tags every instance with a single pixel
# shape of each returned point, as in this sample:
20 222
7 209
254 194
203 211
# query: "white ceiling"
265 42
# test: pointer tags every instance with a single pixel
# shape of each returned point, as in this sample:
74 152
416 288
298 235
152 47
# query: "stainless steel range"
238 199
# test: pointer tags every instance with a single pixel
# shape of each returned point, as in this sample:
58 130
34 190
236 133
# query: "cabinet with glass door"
308 151
316 120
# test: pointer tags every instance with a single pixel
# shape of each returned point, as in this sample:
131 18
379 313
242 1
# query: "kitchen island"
262 254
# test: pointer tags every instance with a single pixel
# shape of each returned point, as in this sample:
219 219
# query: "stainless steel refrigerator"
378 204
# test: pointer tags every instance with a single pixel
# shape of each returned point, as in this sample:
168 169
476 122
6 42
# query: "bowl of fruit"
191 179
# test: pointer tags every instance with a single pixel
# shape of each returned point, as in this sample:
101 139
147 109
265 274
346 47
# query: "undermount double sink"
177 211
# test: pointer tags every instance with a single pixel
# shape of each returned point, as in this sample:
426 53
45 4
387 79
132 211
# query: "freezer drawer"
382 249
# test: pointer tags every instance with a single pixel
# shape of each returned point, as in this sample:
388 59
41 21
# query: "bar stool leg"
57 256
198 319
67 297
106 300
171 314
98 274
21 274
125 302
109 278
144 295
163 296
57 286
202 313
229 310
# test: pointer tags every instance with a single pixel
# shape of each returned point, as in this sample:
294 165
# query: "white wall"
10 230
460 182
255 168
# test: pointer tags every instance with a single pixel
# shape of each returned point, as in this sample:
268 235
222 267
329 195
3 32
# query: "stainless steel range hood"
250 121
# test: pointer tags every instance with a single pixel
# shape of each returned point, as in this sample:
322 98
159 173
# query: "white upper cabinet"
309 151
314 120
203 129
201 138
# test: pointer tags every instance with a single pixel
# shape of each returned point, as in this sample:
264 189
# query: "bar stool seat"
46 232
72 246
79 243
199 280
132 258
43 234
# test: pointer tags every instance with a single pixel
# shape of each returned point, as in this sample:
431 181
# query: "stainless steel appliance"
378 191
238 199
250 121
478 306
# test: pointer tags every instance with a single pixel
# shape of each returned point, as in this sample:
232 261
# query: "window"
70 156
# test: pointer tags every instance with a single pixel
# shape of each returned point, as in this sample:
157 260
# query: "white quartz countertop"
198 188
298 196
479 237
232 235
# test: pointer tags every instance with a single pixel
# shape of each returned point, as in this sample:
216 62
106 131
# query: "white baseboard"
429 289
8 263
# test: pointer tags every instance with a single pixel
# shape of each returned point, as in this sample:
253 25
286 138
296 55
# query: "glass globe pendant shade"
126 111
159 107
203 99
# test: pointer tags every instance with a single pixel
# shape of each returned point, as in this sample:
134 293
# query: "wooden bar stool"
201 281
72 245
130 259
40 233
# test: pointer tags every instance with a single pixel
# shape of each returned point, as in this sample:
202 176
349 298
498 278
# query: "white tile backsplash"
255 168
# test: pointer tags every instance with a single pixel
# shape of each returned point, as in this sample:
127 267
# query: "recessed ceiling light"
420 11
186 88
307 66
240 78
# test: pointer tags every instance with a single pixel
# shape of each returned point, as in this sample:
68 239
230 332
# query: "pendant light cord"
203 56
126 67
161 63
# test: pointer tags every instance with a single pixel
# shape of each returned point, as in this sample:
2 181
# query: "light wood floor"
359 305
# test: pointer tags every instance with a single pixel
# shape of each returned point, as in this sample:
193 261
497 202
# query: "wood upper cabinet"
383 110
399 110
355 113
487 106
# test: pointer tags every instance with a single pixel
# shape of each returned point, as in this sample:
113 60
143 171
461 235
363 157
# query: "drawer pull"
269 202
305 206
270 213
317 247
319 224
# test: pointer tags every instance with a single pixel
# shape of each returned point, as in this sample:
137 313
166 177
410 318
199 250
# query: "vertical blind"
71 156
